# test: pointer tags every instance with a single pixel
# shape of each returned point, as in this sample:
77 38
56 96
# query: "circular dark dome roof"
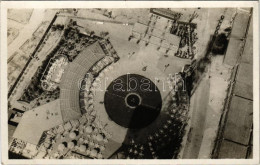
133 101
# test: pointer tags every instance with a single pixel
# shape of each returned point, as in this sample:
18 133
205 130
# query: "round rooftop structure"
133 101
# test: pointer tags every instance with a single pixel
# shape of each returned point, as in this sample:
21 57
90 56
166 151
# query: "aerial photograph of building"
130 83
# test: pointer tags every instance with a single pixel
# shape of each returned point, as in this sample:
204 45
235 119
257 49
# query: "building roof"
233 51
34 122
245 73
239 121
172 39
244 90
140 28
157 33
232 150
240 25
155 40
165 13
161 23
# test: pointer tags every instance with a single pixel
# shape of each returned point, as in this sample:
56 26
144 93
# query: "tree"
220 44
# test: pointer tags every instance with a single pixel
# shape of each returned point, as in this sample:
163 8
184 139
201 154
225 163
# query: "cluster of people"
188 38
184 54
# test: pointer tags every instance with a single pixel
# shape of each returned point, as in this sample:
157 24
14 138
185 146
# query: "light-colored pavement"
198 106
219 82
206 105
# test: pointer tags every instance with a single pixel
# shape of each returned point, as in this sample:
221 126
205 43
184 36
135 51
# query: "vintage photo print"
129 82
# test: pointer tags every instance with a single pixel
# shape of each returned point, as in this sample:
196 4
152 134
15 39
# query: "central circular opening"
133 100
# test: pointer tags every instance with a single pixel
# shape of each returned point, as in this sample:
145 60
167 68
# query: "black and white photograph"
142 83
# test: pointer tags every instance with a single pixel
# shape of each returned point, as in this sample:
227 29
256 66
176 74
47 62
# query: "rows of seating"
73 76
